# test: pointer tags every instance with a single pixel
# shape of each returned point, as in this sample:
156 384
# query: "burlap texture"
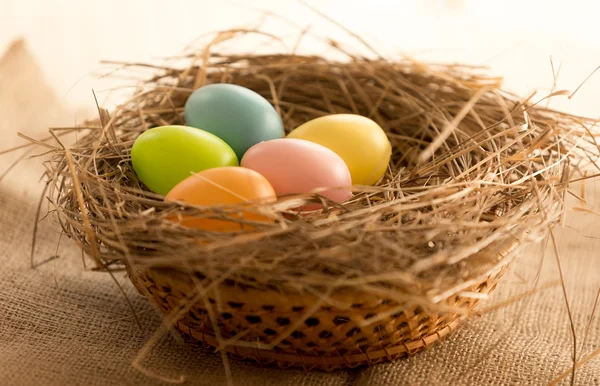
64 325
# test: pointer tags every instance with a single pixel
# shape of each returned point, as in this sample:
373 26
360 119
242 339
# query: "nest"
476 174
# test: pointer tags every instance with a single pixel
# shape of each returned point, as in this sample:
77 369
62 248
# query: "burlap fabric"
61 324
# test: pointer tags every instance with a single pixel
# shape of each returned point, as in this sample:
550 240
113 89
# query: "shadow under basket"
317 335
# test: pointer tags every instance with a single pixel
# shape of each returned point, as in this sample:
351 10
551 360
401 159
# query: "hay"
473 168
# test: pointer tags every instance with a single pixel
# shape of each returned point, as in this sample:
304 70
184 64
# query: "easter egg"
164 156
237 115
360 142
295 166
223 186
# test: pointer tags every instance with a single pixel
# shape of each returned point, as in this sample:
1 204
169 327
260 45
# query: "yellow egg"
358 140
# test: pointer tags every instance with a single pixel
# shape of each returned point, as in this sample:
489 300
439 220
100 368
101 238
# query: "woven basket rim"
349 295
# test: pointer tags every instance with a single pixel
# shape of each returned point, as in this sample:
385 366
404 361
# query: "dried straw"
473 168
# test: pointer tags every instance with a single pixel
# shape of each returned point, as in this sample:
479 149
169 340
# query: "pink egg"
295 166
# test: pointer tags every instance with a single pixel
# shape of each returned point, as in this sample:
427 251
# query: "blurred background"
515 38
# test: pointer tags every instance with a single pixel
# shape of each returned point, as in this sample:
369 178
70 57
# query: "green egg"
237 115
164 156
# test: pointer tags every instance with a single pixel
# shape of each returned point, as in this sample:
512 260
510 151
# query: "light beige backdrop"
63 325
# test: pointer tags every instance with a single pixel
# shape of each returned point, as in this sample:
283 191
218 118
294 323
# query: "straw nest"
476 173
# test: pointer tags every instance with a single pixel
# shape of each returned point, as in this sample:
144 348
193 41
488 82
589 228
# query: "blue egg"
239 116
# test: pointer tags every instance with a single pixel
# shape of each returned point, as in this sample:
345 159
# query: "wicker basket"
450 213
329 338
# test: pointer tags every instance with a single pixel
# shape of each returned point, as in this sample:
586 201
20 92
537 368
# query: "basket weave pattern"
330 338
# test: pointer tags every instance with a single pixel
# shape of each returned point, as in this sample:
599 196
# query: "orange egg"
223 186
